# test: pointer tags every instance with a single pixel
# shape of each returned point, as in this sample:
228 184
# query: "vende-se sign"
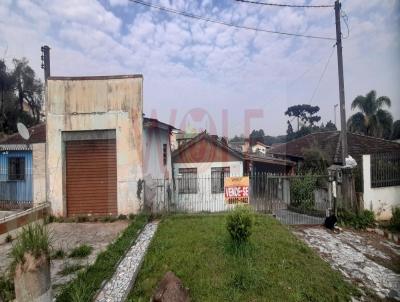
236 189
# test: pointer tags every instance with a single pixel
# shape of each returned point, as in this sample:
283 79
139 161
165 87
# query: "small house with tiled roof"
22 169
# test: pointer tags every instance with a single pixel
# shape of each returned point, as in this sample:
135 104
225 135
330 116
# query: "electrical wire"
285 5
190 15
322 74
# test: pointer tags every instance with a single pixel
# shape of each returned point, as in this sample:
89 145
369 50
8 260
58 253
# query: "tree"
257 136
29 89
17 86
396 130
330 126
306 113
372 120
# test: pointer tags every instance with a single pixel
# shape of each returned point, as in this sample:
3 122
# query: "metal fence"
385 170
285 197
16 190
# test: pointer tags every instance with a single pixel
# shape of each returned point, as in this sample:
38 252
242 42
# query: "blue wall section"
15 190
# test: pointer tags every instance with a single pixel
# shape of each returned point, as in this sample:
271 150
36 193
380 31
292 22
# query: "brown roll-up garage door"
91 177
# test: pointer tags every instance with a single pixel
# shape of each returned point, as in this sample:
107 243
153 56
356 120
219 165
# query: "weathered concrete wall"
39 173
153 165
379 200
96 103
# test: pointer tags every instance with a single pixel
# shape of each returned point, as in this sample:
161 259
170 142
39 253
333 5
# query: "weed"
81 219
81 251
122 217
34 239
395 220
239 223
8 238
58 254
358 221
6 289
69 269
131 216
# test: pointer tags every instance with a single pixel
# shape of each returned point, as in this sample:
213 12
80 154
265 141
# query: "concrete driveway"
368 260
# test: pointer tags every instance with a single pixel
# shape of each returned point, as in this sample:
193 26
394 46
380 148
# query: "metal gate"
297 199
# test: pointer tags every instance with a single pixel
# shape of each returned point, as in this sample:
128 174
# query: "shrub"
34 239
49 219
358 221
8 238
302 191
81 251
81 219
131 216
58 254
395 220
239 224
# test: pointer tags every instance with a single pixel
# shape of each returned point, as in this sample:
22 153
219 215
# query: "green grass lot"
275 266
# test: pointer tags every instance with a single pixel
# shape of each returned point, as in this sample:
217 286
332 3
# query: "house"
241 146
329 143
22 169
157 162
94 142
259 147
182 138
201 165
377 178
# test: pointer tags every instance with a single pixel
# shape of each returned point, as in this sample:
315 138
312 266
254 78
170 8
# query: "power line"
322 74
285 5
190 15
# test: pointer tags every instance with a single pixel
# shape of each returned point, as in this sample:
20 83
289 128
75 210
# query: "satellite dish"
23 131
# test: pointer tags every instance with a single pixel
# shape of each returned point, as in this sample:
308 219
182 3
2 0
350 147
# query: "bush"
239 223
81 251
302 191
395 220
131 216
122 217
358 221
34 239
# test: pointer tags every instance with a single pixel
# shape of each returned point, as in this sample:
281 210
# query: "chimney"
46 61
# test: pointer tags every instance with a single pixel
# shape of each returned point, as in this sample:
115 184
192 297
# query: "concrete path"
290 217
364 262
119 286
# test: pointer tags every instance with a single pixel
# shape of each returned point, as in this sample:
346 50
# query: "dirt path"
369 260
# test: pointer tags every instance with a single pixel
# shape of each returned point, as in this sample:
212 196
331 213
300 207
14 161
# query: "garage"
91 177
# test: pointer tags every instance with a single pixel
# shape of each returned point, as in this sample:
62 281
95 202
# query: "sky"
199 75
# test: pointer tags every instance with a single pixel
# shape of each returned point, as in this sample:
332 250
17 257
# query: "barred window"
187 181
217 179
16 168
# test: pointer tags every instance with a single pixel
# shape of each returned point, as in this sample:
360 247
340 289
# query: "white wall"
153 167
204 200
379 200
39 173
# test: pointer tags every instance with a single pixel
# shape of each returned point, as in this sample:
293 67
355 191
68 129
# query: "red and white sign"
236 189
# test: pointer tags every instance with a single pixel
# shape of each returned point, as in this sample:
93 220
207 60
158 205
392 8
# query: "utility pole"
334 113
343 127
46 61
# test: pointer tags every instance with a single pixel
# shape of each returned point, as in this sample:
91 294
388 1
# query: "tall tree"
306 113
372 119
257 136
396 130
28 88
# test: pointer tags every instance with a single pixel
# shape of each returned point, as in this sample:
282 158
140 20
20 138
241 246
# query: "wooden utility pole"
343 127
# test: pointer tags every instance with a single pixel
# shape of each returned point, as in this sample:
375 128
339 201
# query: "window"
188 181
164 154
217 179
16 168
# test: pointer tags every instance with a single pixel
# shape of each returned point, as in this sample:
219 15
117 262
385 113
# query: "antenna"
23 131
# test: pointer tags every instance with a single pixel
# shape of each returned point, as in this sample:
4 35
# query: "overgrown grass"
88 281
6 289
272 266
33 239
69 269
81 251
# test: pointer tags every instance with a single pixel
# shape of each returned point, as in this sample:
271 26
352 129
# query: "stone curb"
388 235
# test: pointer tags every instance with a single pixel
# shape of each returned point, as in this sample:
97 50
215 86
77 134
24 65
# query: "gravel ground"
364 258
67 236
117 289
